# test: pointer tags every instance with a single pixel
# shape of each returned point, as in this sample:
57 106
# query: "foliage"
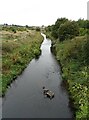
14 28
83 23
73 59
37 28
86 51
55 28
18 49
68 30
83 31
73 54
80 97
84 26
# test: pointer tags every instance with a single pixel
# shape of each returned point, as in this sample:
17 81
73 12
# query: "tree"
27 26
54 31
82 23
37 28
56 27
68 30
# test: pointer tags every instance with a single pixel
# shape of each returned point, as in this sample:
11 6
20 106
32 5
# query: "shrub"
68 30
37 29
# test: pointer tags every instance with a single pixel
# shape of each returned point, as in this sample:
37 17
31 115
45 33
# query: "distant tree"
68 30
54 31
37 28
49 28
43 26
5 24
27 26
56 27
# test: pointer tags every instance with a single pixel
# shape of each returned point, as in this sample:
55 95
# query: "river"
25 99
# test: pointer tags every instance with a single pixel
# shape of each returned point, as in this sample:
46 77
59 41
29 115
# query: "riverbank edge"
35 56
65 83
71 87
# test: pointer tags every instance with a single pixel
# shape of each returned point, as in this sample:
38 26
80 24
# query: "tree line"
67 29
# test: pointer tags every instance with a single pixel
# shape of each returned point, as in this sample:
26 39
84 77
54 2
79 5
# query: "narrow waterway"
25 98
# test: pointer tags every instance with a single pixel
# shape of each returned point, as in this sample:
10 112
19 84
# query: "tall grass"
18 49
71 54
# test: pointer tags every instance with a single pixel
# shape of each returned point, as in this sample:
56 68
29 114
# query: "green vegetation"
68 30
19 46
37 29
72 52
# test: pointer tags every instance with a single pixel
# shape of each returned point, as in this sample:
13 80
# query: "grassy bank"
19 47
70 44
71 54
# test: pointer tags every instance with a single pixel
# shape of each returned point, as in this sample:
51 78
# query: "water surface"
25 98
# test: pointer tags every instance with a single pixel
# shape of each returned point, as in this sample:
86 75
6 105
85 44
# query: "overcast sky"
41 12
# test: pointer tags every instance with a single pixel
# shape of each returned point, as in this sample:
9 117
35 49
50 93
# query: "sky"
40 12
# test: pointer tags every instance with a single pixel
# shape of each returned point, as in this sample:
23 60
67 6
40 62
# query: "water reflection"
25 99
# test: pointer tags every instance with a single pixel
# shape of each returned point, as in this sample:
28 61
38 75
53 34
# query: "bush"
37 29
82 31
86 51
13 30
72 55
68 30
55 28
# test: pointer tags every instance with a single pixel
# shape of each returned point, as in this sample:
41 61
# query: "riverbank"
19 47
71 56
26 93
